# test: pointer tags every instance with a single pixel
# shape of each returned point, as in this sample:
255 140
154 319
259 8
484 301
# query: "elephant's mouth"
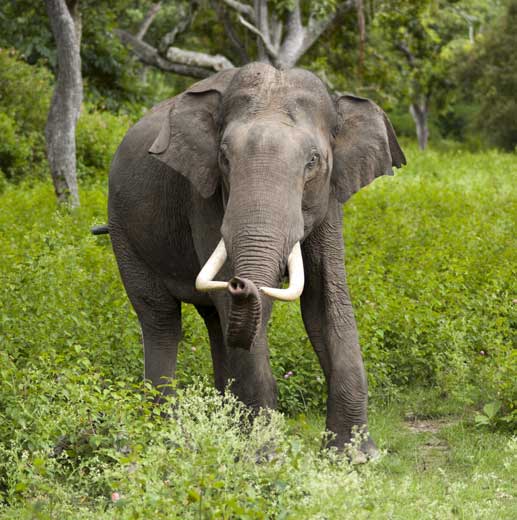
205 279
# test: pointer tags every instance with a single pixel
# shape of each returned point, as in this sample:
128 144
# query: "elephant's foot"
359 448
366 452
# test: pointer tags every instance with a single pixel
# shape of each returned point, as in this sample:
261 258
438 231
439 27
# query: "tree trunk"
64 110
419 111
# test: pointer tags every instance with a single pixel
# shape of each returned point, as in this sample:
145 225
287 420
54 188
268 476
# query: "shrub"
98 136
15 149
25 92
431 260
432 270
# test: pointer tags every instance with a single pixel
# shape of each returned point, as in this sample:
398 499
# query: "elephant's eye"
223 159
310 167
315 158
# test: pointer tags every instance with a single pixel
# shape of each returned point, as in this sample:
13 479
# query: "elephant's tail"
100 230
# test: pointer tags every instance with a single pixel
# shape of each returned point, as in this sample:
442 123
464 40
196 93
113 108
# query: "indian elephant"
217 194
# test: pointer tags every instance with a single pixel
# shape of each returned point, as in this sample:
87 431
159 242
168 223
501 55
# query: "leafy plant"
489 415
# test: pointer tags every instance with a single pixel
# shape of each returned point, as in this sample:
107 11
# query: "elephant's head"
275 146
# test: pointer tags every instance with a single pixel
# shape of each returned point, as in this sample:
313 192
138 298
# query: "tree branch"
183 24
269 48
262 17
295 35
316 28
198 59
299 38
236 42
149 55
402 47
241 8
276 29
148 20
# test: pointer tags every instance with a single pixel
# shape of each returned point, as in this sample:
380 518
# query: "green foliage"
14 150
110 453
25 92
113 79
489 415
418 36
432 274
431 266
414 49
489 78
24 100
98 135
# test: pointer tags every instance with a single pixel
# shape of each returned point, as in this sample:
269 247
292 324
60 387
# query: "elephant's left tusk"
204 280
296 278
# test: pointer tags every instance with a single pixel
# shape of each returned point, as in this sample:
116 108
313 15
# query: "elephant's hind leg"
158 311
161 330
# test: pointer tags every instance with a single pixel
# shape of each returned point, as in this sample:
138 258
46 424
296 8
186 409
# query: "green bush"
433 274
98 136
488 77
15 150
25 92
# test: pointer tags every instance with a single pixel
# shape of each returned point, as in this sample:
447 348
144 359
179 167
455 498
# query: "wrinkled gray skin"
263 158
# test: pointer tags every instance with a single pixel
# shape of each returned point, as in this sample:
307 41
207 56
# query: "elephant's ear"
188 139
365 146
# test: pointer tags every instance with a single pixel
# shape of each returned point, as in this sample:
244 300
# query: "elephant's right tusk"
204 280
296 278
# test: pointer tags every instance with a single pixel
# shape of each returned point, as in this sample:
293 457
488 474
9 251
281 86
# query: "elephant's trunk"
246 311
258 260
245 315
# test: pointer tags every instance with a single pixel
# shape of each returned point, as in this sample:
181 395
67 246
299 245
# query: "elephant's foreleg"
251 376
217 346
252 379
329 319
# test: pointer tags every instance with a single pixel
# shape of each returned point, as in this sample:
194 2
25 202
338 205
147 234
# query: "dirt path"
435 450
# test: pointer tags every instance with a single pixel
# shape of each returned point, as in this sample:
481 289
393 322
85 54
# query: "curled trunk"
245 316
257 262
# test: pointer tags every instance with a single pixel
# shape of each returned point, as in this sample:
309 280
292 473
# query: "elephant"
220 193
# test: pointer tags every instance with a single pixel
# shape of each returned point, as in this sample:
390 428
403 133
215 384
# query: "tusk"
296 278
204 280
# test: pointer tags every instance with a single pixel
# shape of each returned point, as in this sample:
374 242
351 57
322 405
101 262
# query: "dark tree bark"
66 102
419 112
419 107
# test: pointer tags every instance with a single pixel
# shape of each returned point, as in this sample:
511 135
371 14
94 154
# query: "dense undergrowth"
431 261
25 93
